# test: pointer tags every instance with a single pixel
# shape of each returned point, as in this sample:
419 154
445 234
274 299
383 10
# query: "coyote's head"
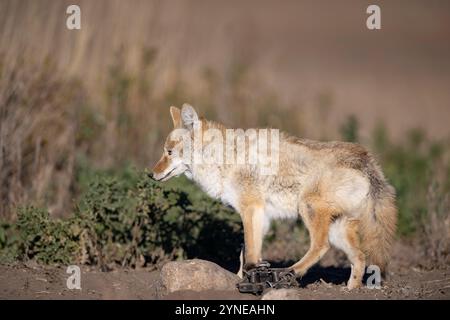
173 162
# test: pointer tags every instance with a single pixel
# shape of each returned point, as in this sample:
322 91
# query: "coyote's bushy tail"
379 224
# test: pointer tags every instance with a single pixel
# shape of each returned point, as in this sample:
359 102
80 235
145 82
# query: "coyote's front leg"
240 273
252 213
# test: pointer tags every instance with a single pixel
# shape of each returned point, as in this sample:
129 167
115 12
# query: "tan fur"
378 235
337 188
252 211
317 220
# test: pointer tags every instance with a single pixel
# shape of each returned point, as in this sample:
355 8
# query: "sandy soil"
32 281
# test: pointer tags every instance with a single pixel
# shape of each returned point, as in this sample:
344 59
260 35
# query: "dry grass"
303 50
37 136
435 242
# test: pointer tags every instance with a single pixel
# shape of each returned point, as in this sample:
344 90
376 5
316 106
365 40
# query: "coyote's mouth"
164 178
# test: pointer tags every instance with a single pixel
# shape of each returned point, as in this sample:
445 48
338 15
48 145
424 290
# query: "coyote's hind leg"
344 236
317 220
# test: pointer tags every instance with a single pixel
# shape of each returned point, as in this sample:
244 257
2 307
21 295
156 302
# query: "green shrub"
129 220
9 242
47 240
349 130
105 214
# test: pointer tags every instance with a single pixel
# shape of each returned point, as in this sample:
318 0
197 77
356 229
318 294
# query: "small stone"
195 275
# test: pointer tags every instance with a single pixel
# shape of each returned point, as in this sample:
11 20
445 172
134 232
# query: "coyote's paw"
299 272
353 284
249 266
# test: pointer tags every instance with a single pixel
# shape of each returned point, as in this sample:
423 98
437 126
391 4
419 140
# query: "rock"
196 275
281 294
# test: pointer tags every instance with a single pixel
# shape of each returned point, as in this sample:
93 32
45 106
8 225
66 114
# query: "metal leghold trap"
262 277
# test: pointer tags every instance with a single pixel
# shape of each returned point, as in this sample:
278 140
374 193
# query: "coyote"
337 188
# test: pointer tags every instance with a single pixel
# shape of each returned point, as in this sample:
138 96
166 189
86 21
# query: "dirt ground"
325 281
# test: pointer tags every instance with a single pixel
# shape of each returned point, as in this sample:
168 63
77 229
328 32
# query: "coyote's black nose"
150 175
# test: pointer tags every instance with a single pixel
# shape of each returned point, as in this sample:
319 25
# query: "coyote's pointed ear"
176 117
188 116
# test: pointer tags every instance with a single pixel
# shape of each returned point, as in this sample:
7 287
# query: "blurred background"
76 103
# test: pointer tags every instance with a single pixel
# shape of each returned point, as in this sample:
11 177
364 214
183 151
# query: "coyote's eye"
169 152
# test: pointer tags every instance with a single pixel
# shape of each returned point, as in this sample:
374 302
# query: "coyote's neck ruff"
337 188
